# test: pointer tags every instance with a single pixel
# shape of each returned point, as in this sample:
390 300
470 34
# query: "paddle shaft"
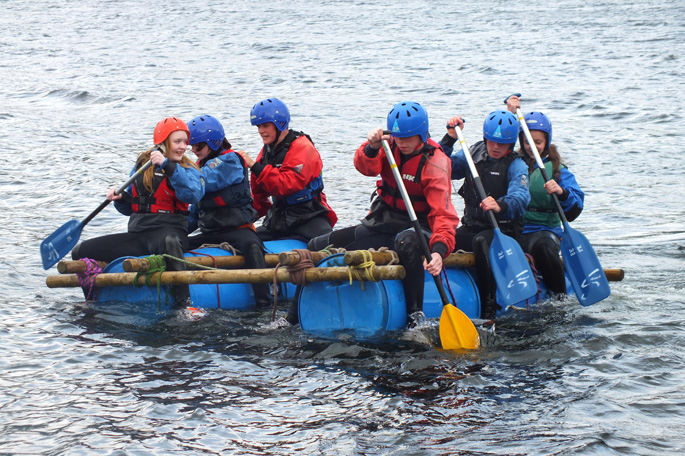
412 216
106 202
474 173
541 164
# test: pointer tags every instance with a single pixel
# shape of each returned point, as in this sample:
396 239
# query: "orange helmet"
167 126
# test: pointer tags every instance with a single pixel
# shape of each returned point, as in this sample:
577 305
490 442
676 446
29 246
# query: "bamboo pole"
292 258
614 275
75 266
460 260
222 262
225 276
357 257
352 258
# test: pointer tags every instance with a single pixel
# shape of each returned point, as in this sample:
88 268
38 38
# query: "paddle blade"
515 280
457 331
583 267
59 243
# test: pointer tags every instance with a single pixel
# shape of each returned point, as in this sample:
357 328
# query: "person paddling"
542 229
157 205
286 180
225 212
504 176
425 170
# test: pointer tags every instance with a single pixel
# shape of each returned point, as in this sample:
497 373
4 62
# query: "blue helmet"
538 121
408 118
501 127
206 129
270 110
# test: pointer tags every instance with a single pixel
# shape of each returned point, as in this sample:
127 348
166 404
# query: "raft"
341 296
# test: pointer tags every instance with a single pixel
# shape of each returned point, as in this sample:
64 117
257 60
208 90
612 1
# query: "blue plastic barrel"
363 310
227 296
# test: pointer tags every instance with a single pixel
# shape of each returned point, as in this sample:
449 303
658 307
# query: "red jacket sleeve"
369 166
260 197
442 217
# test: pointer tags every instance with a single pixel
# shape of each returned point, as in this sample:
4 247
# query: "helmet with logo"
538 121
270 110
408 118
206 129
501 127
167 126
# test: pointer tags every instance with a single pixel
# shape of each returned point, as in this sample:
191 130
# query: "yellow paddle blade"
457 331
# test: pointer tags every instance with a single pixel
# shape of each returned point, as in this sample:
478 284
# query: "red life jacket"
162 200
410 171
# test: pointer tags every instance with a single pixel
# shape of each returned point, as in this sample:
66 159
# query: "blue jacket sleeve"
223 171
193 218
573 198
188 183
460 166
515 202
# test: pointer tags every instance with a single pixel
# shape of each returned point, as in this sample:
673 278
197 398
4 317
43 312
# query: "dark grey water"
83 84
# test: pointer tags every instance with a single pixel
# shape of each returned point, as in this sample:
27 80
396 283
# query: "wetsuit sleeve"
447 143
573 198
188 184
301 165
369 165
122 205
515 202
442 216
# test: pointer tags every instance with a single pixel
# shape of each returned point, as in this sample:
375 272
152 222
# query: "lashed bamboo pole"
222 262
225 276
357 257
291 258
352 258
75 266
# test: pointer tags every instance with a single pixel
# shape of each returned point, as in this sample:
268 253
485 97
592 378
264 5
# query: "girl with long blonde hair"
157 204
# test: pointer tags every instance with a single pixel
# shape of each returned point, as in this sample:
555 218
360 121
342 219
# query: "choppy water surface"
83 84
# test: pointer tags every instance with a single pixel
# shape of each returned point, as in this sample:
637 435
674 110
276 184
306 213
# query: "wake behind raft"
356 292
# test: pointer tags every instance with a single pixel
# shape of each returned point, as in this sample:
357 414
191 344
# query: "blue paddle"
59 243
580 260
514 278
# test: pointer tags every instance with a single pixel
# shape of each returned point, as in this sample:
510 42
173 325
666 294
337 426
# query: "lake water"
84 83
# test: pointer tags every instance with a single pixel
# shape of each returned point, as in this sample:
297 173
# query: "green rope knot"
157 265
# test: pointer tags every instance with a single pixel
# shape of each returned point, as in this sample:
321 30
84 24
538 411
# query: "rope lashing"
364 271
395 257
157 265
296 272
86 280
330 250
218 294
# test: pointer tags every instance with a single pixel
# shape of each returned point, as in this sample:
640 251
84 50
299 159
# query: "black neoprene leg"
174 247
486 280
545 252
408 250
